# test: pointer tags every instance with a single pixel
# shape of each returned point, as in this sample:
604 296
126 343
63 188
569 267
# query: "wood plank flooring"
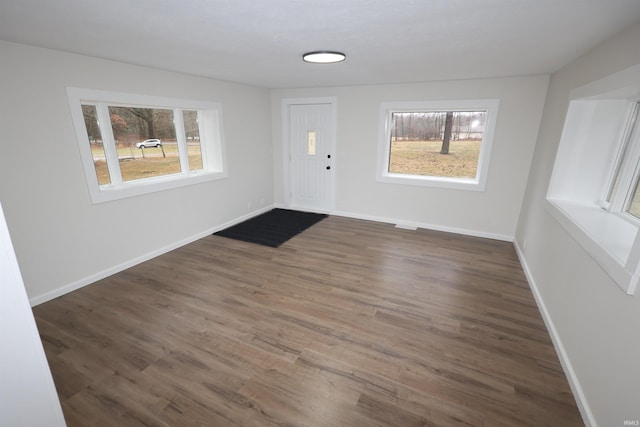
351 323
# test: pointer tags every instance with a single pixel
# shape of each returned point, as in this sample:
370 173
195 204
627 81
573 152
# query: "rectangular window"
593 191
443 144
135 144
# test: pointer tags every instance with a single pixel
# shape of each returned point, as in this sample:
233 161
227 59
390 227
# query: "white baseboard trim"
427 226
574 383
39 299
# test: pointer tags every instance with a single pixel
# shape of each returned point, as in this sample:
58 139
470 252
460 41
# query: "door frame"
286 145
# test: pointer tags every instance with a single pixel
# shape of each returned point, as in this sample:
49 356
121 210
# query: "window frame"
211 143
625 170
595 216
611 194
478 183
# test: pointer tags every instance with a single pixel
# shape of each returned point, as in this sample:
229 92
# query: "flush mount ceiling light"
323 57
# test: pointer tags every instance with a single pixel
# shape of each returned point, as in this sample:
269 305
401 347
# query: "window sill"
433 181
108 193
607 238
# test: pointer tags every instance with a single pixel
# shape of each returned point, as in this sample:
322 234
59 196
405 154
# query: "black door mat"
272 228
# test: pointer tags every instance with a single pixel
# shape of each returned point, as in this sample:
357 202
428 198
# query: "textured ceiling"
260 42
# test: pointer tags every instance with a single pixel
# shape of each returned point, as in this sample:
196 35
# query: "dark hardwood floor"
351 323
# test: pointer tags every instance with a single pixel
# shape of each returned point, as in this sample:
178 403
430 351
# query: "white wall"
597 324
492 213
28 397
63 241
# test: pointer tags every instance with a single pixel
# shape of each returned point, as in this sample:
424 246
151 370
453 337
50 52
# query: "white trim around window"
211 143
477 183
596 171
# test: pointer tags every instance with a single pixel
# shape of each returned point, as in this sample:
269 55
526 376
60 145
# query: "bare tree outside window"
436 143
446 138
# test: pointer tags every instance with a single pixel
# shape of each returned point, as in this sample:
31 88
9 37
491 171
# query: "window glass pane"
192 135
616 179
436 143
311 142
146 142
95 141
634 207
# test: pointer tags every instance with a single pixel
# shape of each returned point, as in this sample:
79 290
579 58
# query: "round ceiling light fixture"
323 57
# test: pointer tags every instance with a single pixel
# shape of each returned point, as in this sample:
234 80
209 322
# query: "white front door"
311 136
